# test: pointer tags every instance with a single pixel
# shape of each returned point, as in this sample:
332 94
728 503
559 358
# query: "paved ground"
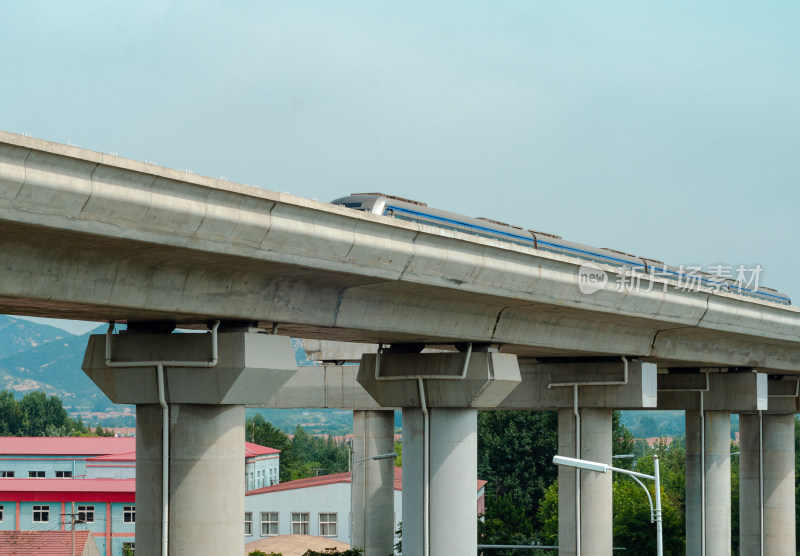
293 545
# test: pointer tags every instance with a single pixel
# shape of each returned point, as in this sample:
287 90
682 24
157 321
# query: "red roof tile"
108 448
58 490
44 543
66 446
333 479
251 450
127 456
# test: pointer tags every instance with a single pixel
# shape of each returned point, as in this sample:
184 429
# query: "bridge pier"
204 413
451 527
438 393
778 519
708 397
596 521
717 489
373 482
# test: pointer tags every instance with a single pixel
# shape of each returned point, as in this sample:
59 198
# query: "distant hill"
44 358
17 335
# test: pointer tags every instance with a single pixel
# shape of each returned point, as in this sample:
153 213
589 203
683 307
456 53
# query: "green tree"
398 449
10 414
515 456
317 456
632 510
505 522
548 515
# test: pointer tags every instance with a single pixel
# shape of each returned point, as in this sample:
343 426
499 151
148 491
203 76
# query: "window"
300 524
269 524
129 514
327 525
63 474
37 474
41 514
6 473
86 514
128 548
248 524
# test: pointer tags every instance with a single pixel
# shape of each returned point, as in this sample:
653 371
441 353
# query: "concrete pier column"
779 504
693 484
373 482
206 450
453 444
595 503
717 483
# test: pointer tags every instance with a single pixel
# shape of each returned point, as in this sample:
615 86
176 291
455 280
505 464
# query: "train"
415 211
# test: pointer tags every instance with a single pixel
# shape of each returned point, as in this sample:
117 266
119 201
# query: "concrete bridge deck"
84 235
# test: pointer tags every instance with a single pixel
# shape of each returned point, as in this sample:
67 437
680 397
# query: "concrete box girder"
251 367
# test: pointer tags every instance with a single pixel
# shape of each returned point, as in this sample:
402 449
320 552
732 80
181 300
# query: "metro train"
414 211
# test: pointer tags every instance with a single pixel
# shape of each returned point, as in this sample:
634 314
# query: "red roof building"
47 543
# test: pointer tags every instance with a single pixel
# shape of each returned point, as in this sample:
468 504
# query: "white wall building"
317 506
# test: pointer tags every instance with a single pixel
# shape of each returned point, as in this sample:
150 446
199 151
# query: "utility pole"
73 529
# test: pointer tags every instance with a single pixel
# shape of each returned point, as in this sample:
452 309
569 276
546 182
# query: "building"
41 479
317 506
103 508
56 458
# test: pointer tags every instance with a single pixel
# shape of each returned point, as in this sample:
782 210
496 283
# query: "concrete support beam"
338 352
596 525
778 485
535 394
727 391
480 379
784 395
323 386
714 525
453 457
373 482
205 419
251 368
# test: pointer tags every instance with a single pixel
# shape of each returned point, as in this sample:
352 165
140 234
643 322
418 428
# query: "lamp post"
655 512
353 465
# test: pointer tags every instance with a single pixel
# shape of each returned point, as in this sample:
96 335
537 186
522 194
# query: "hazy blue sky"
670 130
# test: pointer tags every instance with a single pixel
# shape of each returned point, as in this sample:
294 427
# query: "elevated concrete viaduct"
90 236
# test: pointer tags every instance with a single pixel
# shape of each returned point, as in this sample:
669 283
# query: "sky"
667 130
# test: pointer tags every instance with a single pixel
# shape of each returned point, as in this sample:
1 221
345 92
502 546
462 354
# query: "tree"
505 522
36 415
632 510
515 456
317 456
10 414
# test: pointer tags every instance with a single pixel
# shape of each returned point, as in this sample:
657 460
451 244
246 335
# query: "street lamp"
352 483
655 513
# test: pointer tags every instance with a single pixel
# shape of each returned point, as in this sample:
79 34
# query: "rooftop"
55 490
46 543
66 446
332 479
